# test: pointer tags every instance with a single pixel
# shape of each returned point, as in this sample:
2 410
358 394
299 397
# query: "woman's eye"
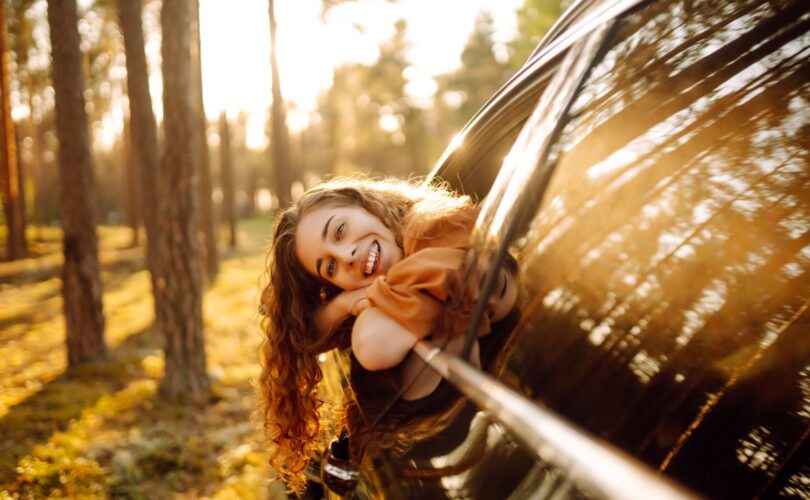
330 268
340 229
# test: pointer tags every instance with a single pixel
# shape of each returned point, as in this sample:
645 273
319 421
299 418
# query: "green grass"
101 431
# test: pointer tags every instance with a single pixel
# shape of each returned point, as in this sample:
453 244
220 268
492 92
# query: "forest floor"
101 430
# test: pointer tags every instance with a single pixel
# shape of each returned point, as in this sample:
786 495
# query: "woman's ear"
328 292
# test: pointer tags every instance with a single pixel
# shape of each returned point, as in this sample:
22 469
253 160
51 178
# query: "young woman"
364 264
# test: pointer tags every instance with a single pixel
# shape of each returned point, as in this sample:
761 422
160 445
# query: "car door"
665 259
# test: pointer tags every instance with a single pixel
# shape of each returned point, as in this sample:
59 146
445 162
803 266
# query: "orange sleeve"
448 231
415 290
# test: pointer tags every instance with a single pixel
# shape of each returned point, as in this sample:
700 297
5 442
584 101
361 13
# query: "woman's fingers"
359 306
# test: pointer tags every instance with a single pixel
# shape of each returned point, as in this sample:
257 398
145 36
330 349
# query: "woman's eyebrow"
326 228
319 260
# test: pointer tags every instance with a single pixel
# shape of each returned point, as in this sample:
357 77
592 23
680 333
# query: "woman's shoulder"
446 229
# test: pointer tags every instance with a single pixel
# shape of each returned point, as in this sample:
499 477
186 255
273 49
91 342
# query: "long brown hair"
289 401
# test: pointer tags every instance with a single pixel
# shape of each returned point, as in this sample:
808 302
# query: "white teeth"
372 257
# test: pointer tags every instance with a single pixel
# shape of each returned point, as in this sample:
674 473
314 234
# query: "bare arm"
378 341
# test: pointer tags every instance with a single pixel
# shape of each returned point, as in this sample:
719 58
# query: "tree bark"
11 178
226 173
185 377
145 148
38 212
206 211
81 286
133 193
279 141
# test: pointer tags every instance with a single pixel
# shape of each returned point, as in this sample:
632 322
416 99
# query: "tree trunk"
145 148
206 211
185 377
279 141
81 286
252 191
226 172
133 194
38 212
11 178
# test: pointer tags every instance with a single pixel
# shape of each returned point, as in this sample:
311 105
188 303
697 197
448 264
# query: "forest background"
131 257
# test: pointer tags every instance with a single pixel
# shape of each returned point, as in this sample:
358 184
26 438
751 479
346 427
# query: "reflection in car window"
669 263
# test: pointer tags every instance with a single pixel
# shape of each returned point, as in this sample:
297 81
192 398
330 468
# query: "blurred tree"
12 174
143 129
185 377
28 34
337 108
104 64
534 18
81 286
279 140
133 193
481 73
246 171
21 42
208 233
226 173
369 122
388 107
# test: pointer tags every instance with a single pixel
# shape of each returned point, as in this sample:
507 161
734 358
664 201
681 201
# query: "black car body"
649 167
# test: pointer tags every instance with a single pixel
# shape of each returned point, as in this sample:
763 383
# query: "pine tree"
81 284
185 377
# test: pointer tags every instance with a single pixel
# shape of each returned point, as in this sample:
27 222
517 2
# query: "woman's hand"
358 302
336 311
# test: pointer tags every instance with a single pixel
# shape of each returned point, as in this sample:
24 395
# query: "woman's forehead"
328 207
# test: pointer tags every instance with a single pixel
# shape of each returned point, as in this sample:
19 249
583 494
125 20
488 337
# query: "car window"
474 158
666 272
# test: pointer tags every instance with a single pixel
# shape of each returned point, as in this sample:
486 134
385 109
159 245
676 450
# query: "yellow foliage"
153 366
101 431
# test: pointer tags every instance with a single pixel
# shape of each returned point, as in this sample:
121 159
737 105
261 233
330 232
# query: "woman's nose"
349 255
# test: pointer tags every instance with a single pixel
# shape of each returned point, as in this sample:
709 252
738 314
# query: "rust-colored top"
416 289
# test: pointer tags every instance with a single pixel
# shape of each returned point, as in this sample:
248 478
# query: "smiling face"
345 245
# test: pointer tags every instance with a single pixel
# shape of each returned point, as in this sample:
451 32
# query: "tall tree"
280 140
22 41
185 377
206 207
34 79
81 285
226 173
133 193
143 130
11 178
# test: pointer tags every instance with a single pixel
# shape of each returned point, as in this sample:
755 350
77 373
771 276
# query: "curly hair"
289 401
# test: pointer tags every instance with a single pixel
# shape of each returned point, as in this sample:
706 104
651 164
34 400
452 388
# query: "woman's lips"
373 260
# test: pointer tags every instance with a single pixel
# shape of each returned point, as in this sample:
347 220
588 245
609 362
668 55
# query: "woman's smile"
373 258
345 245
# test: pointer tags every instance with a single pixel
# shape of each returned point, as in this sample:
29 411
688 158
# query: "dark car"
649 168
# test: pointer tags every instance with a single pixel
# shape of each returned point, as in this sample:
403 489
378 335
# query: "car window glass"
666 274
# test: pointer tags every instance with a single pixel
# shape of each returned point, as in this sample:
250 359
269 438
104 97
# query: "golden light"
236 49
